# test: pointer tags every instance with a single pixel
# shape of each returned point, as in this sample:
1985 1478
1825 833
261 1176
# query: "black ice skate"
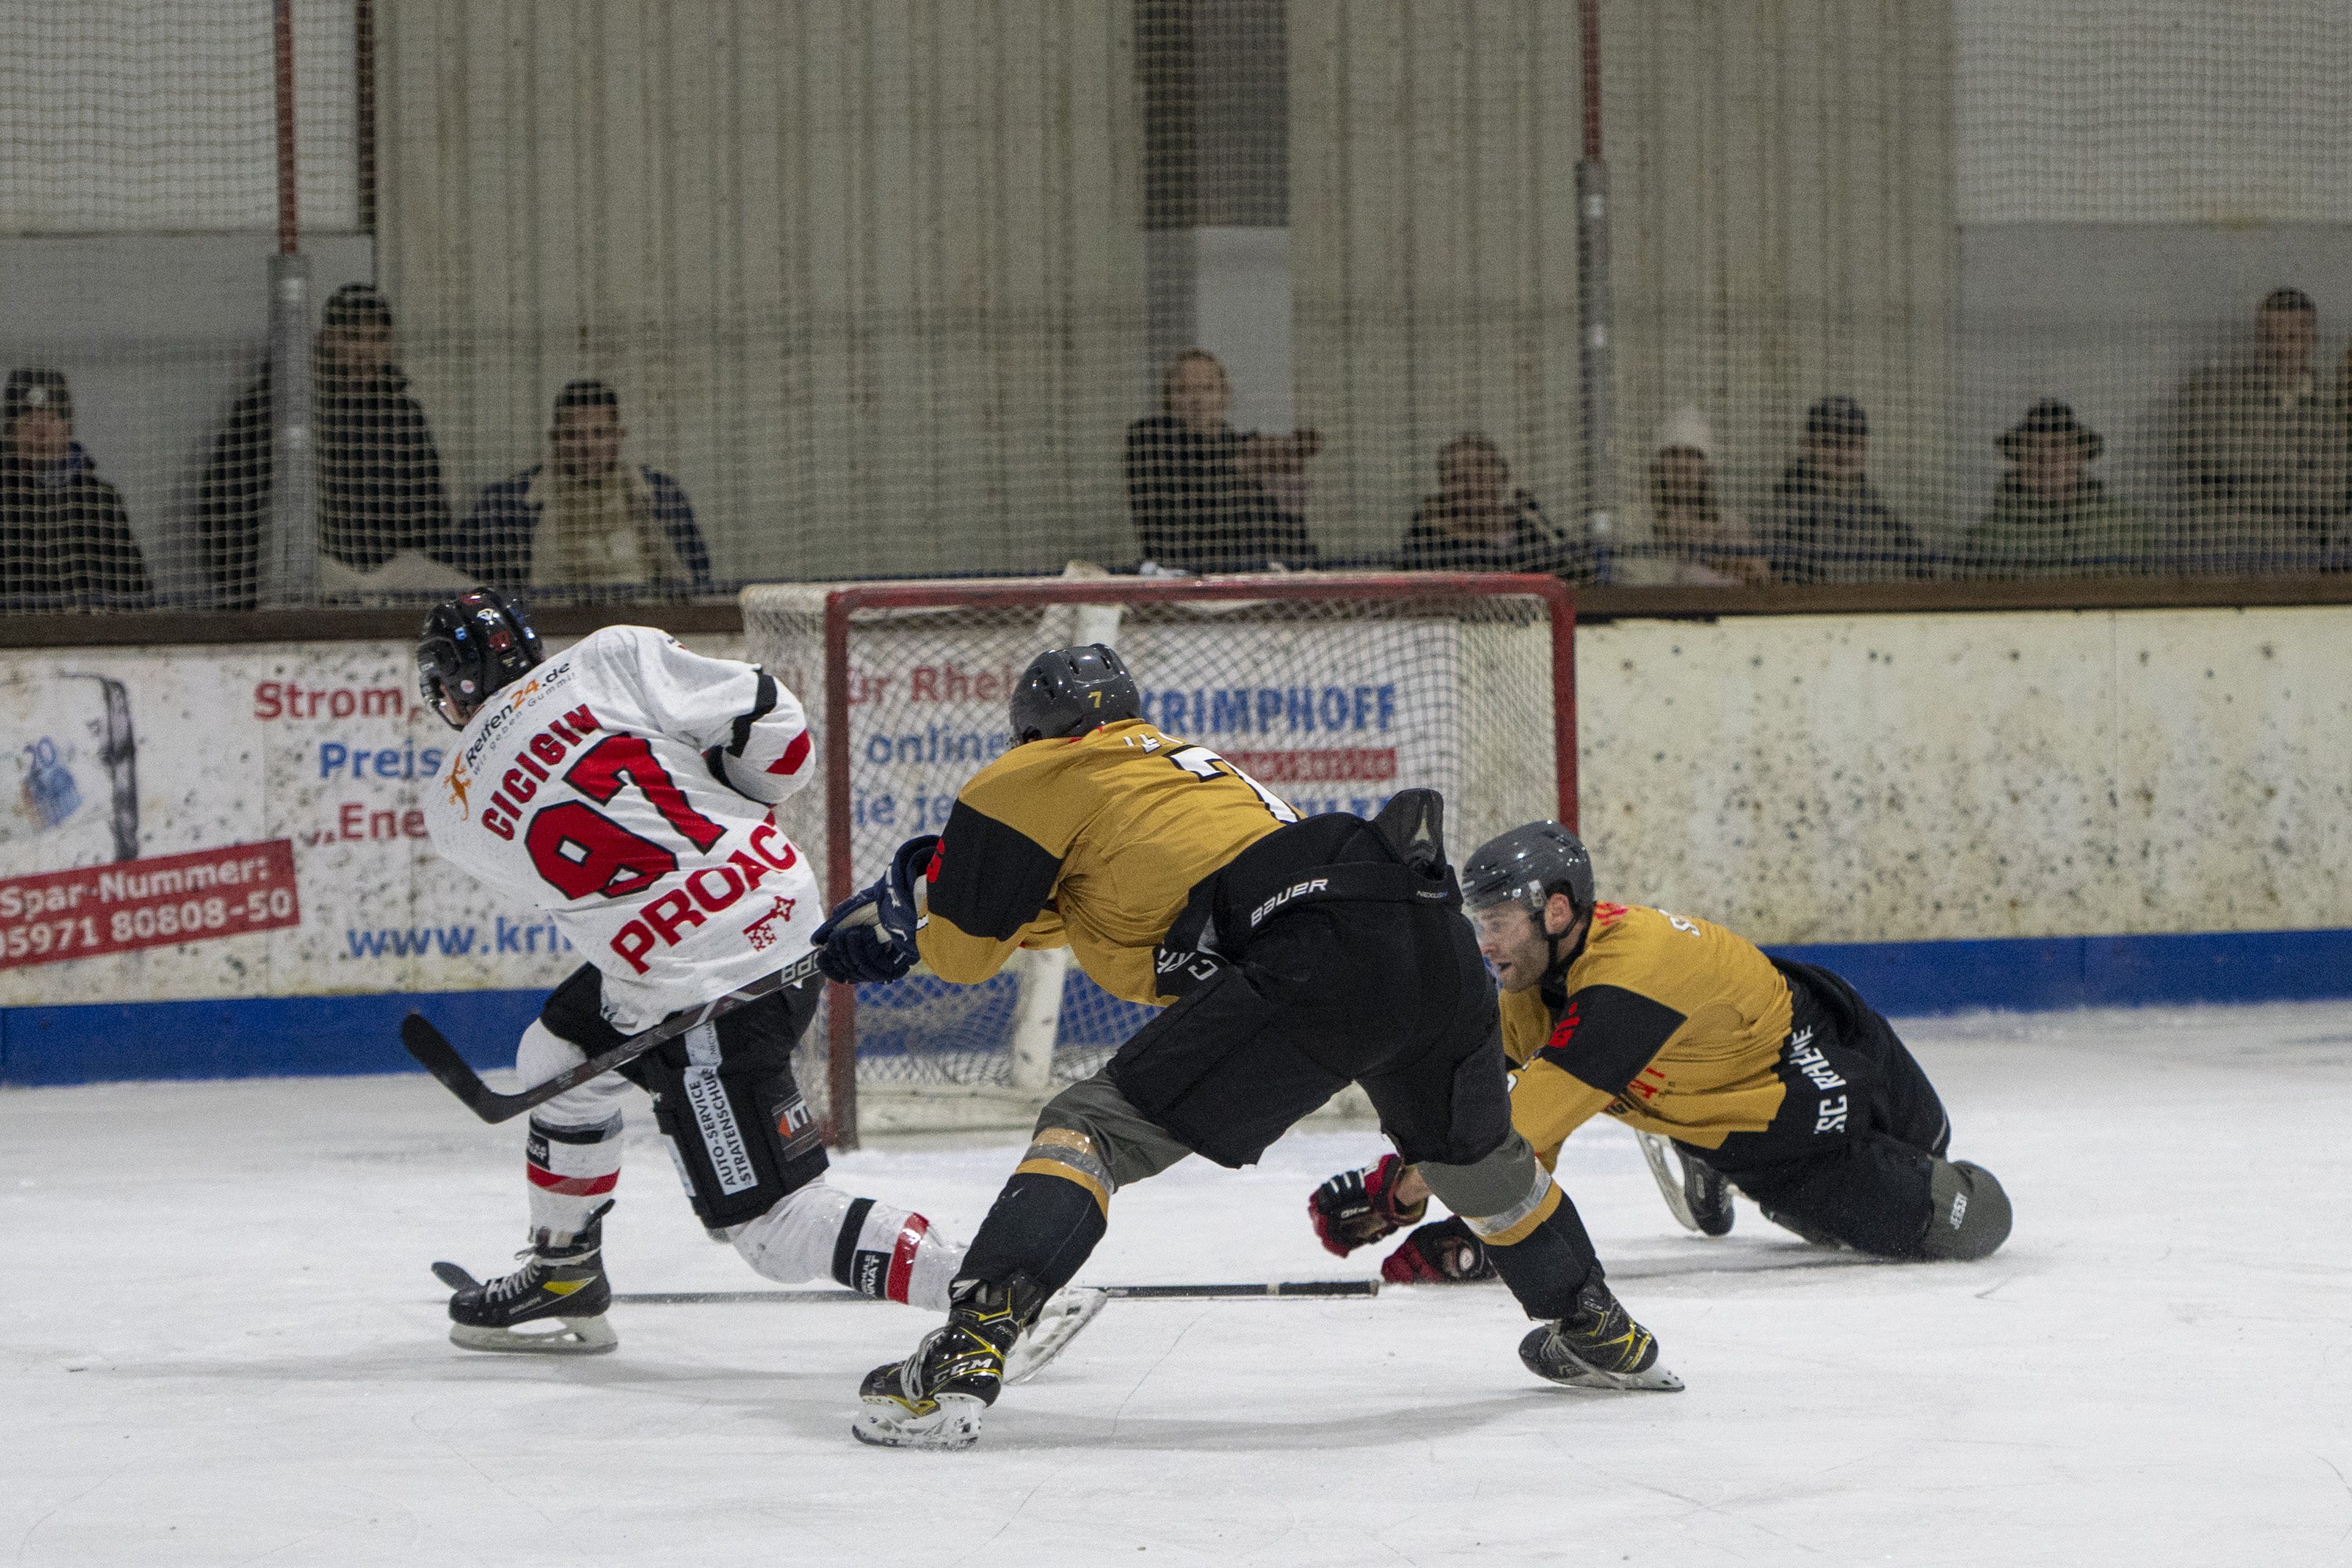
1699 1198
561 1287
933 1398
1597 1346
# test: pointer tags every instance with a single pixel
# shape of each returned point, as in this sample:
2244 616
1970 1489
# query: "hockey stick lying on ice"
456 1278
440 1058
1285 1287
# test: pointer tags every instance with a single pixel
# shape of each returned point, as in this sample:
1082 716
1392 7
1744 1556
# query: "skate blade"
1060 1320
568 1336
1670 1184
1584 1374
953 1422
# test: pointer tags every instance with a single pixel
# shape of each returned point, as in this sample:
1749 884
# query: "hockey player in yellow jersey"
1771 1074
1291 957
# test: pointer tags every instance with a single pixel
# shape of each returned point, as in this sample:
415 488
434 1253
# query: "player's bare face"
1513 946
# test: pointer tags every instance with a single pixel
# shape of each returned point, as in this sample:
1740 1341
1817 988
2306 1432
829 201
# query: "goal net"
1335 691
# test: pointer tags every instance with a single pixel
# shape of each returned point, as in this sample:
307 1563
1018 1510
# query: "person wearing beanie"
65 540
2051 518
379 473
584 519
1828 523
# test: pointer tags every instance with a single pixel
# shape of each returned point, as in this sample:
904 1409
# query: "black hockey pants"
1852 1155
724 1095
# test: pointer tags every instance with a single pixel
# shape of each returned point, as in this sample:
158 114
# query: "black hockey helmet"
1529 865
472 645
1069 690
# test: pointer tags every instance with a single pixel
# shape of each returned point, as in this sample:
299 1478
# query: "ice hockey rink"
223 1346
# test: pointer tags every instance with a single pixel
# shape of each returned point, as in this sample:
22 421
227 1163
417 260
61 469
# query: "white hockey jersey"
587 787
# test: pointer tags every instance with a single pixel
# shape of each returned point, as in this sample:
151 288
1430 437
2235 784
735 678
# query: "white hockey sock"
573 1157
573 1172
869 1246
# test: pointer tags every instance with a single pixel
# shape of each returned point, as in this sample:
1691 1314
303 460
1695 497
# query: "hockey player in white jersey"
624 786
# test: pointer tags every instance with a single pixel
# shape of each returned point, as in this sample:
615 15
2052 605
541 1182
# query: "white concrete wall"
1901 778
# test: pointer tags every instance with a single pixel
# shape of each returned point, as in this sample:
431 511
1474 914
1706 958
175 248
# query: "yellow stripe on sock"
1526 1227
1069 1173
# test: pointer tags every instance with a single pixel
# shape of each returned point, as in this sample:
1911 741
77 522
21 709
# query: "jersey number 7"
1205 763
580 851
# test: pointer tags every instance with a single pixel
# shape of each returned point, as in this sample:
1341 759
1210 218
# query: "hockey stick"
1283 1287
440 1058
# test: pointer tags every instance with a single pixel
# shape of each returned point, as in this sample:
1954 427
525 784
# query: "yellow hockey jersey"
1095 842
1674 1026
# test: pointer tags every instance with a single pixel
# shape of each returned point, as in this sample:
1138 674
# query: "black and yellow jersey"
1671 1025
1094 842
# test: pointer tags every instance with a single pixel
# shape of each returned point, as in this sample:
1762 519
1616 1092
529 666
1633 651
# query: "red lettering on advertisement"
292 700
1338 764
52 916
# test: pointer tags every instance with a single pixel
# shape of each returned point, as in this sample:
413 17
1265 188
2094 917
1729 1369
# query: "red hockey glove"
1447 1252
1356 1208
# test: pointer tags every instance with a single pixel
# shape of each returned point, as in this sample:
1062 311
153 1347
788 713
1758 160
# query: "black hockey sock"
1042 1225
1546 1268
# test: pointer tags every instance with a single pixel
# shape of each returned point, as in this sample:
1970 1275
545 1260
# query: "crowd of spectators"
2257 466
2257 475
584 519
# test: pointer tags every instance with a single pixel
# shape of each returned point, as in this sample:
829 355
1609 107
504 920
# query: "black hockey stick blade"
455 1278
1283 1287
440 1058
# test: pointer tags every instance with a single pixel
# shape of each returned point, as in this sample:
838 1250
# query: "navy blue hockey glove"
877 953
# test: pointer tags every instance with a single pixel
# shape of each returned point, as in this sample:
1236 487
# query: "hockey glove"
883 952
1358 1207
1447 1252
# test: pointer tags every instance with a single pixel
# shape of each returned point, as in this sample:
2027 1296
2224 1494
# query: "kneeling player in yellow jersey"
1773 1075
1292 956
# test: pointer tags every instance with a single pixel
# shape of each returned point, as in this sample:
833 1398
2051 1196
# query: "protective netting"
657 298
1331 703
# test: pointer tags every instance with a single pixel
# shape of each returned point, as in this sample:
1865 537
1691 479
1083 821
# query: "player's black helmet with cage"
472 645
1527 866
1069 690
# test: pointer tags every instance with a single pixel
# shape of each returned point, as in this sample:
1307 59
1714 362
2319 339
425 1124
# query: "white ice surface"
221 1346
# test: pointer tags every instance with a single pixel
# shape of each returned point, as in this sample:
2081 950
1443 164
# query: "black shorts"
1390 996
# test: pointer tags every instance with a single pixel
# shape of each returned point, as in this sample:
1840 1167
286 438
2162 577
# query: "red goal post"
1333 689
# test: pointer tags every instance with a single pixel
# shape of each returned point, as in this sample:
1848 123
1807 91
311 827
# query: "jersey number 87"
580 851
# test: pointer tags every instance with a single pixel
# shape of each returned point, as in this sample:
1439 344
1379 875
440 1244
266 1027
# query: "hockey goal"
1333 689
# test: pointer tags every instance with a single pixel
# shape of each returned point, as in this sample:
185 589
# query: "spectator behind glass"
1694 541
584 519
1205 499
2258 453
2050 518
379 476
1828 525
1473 524
64 537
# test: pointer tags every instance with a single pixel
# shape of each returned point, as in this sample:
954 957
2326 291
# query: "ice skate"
1699 1198
1597 1346
934 1398
1061 1320
561 1287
